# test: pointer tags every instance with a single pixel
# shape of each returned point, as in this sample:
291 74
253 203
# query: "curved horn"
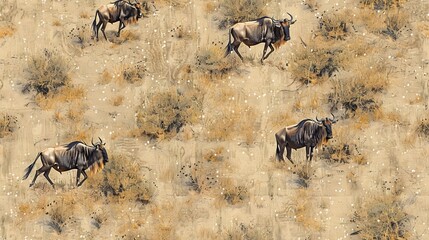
291 17
101 141
92 142
333 118
317 119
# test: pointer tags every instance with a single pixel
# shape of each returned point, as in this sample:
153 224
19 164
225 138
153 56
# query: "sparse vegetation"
234 11
6 31
422 127
126 36
80 36
261 231
382 217
336 25
47 73
123 180
8 124
316 62
162 114
233 193
304 172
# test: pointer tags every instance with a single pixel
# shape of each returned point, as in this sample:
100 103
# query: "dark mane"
300 124
72 144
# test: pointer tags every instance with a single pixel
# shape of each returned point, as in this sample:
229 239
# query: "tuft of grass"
341 149
304 172
316 62
56 23
234 11
336 25
8 10
263 230
47 73
59 215
6 31
67 94
422 127
233 193
382 217
126 36
210 61
106 77
383 4
359 91
313 5
301 208
8 124
214 155
133 73
201 176
123 180
84 15
183 32
163 114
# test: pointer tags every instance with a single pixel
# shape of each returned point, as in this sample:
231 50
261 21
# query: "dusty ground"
273 205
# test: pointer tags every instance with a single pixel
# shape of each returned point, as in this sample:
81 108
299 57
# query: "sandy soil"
273 194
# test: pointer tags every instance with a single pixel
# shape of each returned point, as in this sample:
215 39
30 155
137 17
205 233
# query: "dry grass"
183 32
304 172
233 193
123 180
342 148
262 230
336 25
234 11
201 177
302 210
422 127
6 31
67 94
280 119
359 91
47 72
56 23
117 100
162 114
212 64
126 36
84 15
8 124
317 62
383 4
228 119
382 217
106 77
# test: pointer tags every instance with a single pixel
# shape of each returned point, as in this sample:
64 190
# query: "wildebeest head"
327 123
101 153
286 25
138 7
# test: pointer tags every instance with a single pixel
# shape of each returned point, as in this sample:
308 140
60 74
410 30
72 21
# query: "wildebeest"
120 10
75 155
308 133
262 30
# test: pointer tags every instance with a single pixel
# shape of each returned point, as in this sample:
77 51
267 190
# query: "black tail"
94 24
229 47
29 168
278 157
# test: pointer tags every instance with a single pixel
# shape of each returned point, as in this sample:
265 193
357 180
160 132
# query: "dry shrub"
234 11
316 62
8 124
130 73
214 155
341 149
47 72
304 172
233 193
382 217
395 21
210 7
6 31
383 4
163 114
262 230
123 180
59 215
422 127
360 89
80 36
106 77
336 25
67 94
213 65
201 176
56 23
98 218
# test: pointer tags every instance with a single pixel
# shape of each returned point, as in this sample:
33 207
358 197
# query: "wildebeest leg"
236 50
271 50
102 30
307 153
84 178
267 43
79 170
311 153
46 174
38 172
121 26
289 154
